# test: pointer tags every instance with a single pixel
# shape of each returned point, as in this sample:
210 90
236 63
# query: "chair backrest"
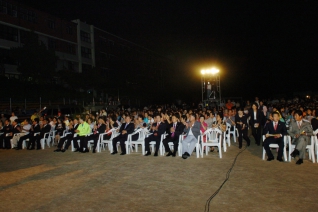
214 135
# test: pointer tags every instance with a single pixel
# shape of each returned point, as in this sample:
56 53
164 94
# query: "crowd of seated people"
257 118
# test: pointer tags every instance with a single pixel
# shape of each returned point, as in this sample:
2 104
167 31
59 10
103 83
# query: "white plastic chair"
109 141
233 132
181 137
45 139
98 146
74 139
64 134
140 140
213 139
275 146
153 143
310 149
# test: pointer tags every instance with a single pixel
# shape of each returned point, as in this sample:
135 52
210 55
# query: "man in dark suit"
7 128
98 129
176 129
45 129
125 129
274 131
35 128
70 137
157 130
15 129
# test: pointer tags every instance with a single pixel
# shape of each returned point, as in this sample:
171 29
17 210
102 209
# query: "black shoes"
57 150
94 151
156 154
77 150
169 154
123 153
62 150
280 160
270 158
84 151
300 161
174 154
185 155
294 153
113 153
148 153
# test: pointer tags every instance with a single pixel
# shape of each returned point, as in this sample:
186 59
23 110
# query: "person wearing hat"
44 129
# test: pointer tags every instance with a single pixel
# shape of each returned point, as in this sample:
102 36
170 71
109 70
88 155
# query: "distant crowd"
169 120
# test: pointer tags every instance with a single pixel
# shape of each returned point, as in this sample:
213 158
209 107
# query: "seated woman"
60 127
219 124
110 124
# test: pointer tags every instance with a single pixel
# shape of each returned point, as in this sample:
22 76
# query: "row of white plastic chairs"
212 138
312 148
47 138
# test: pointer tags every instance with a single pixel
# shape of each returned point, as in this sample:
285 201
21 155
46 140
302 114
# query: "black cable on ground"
207 204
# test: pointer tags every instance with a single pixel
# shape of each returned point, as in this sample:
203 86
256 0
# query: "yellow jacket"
84 129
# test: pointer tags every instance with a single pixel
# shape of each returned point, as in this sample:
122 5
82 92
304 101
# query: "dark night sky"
262 47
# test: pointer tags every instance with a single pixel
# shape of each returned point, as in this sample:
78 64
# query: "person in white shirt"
13 117
26 126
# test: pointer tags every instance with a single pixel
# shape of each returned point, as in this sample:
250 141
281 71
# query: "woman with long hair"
255 123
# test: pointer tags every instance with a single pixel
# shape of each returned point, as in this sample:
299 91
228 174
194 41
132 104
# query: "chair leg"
263 154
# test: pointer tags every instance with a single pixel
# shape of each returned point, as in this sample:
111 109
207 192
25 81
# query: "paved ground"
46 181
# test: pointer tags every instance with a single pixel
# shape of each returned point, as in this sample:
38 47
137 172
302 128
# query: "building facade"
80 47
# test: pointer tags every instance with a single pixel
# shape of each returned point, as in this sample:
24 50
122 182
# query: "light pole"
212 77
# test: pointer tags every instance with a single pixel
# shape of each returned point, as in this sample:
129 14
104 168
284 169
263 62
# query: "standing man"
274 131
157 130
192 131
125 129
300 133
176 129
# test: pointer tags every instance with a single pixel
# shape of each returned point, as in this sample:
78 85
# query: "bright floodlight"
210 71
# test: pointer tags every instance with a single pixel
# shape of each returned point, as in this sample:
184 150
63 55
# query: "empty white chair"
213 139
232 132
275 146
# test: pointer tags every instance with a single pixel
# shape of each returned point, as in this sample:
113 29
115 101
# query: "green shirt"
84 129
